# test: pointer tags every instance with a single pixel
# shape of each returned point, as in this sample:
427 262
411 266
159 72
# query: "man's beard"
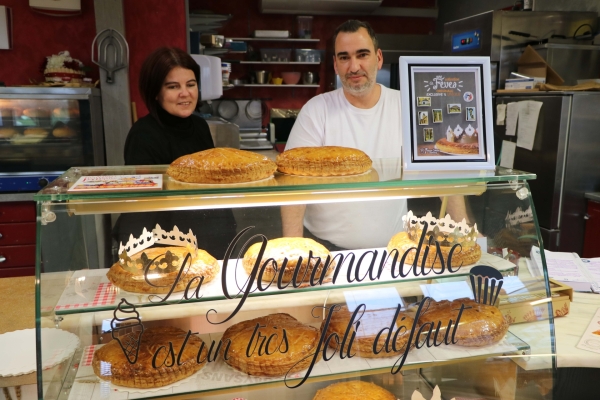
360 89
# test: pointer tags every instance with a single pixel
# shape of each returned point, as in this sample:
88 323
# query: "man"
363 115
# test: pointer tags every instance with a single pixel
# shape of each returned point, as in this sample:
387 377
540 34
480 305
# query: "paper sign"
385 299
507 155
447 290
590 340
529 112
501 114
512 115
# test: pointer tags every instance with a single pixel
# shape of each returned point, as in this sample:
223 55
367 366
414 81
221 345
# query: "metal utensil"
110 43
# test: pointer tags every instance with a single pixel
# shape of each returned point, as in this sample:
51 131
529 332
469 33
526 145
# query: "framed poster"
446 114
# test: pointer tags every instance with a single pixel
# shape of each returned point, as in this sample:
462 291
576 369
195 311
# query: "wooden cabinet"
17 238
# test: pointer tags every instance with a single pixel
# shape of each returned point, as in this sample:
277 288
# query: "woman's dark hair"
353 25
155 69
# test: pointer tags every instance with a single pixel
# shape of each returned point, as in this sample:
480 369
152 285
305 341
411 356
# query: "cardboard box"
520 83
530 306
533 65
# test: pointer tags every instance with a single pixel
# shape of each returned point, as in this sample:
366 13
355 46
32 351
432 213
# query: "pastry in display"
354 390
41 132
292 180
291 248
36 113
63 132
479 325
291 355
458 141
221 165
111 364
65 113
372 322
446 232
164 262
7 133
323 161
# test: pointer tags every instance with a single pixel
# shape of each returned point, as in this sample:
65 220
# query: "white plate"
17 350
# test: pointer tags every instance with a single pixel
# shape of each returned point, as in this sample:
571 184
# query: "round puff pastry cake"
323 161
480 325
354 390
373 321
285 179
302 341
446 232
221 165
7 133
459 141
111 364
129 276
291 248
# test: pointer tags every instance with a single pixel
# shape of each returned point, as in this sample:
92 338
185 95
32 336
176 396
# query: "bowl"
277 81
291 78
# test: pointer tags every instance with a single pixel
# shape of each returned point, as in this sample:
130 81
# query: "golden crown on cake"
446 231
133 258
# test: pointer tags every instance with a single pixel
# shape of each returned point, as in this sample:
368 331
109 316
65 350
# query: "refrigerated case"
566 159
45 131
79 303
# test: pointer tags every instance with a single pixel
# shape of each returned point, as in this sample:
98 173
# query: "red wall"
36 36
150 24
246 17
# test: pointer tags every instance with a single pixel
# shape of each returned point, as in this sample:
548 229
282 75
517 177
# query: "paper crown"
133 258
458 135
446 231
518 217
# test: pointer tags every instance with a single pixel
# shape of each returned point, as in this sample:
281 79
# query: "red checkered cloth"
88 354
105 295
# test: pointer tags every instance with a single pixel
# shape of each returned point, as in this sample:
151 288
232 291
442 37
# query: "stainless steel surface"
566 159
261 77
572 62
308 78
113 52
4 197
224 134
241 119
116 103
594 196
504 34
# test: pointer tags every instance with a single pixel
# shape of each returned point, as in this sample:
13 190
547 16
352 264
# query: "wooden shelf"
274 39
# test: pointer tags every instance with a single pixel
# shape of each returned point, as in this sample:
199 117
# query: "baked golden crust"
354 390
141 374
374 321
302 341
221 165
465 256
480 325
323 161
63 132
457 148
35 132
202 264
285 179
291 248
7 133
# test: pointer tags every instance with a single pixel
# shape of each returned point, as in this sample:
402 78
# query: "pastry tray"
218 375
90 289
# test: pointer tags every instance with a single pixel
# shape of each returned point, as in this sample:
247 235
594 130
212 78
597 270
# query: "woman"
169 87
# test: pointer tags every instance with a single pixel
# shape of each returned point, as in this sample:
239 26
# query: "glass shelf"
278 86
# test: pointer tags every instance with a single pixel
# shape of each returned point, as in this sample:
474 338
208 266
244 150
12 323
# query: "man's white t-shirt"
330 120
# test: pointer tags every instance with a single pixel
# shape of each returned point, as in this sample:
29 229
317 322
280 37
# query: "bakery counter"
17 296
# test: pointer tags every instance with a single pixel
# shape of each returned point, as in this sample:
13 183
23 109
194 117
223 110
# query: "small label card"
591 338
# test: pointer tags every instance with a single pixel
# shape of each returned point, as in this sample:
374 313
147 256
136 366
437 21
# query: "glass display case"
411 310
46 130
